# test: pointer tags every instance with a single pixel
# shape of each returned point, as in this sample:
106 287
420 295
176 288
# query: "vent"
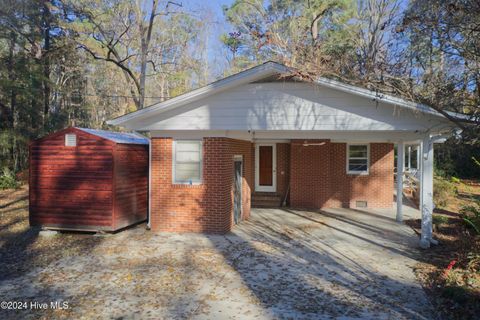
70 140
361 204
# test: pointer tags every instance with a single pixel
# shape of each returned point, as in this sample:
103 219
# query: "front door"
265 165
237 192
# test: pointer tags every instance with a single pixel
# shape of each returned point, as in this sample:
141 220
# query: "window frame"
357 172
174 163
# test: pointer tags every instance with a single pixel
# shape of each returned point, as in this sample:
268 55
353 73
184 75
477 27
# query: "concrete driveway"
282 264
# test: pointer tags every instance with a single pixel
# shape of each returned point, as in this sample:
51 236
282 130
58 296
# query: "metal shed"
86 179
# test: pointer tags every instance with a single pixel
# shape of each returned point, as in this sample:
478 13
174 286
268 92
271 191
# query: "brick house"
265 138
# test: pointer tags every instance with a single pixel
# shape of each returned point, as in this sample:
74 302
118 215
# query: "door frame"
238 158
273 187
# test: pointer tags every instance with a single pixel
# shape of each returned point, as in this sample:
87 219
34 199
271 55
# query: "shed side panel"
131 184
71 187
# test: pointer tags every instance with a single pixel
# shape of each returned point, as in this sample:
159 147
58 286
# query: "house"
262 135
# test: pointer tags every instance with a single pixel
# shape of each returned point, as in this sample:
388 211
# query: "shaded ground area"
282 264
450 272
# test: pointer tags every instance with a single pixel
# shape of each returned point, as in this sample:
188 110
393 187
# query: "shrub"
455 180
439 219
443 191
473 264
8 180
471 215
22 176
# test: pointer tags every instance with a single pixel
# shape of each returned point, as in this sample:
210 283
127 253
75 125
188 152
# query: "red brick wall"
319 178
283 168
309 174
206 207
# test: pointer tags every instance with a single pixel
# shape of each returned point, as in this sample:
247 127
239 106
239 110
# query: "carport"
339 262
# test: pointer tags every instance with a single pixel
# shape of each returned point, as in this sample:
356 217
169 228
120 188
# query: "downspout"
149 183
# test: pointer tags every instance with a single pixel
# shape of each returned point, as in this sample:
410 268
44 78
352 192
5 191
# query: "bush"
8 180
22 176
473 262
471 216
455 180
439 219
471 213
443 191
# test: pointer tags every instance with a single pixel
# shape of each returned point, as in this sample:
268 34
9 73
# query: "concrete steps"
266 200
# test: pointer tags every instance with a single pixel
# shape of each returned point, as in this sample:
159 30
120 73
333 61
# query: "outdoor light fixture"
306 144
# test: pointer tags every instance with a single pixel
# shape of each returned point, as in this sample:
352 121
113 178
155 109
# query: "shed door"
237 196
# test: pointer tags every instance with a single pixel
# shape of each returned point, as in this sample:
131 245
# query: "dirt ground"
450 272
281 264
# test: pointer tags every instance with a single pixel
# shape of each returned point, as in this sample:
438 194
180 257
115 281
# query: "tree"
426 51
49 80
122 34
443 55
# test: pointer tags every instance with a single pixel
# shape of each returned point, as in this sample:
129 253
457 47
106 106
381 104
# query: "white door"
266 167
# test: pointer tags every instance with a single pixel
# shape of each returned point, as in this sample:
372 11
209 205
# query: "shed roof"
117 137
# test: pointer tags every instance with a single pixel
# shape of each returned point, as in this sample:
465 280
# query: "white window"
187 161
358 158
70 140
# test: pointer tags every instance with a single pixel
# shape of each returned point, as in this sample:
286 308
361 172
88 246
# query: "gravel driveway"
282 264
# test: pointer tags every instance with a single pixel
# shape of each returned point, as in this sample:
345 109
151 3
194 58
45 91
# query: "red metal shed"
86 179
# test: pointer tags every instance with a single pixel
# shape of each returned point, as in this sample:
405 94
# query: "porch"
321 174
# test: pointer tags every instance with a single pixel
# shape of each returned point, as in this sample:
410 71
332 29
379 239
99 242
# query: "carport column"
400 160
426 191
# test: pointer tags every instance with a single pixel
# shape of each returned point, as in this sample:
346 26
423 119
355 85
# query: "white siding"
289 106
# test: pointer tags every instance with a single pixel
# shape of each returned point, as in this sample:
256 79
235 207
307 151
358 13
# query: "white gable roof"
239 102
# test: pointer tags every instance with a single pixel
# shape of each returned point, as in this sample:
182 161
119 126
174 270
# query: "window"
70 140
411 157
187 162
357 158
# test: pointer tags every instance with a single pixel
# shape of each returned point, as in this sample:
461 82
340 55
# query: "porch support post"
426 191
400 161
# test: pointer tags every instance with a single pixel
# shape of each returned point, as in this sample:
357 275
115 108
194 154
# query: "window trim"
356 172
174 161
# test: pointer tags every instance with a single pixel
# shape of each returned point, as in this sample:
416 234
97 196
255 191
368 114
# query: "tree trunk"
143 70
145 44
11 77
46 63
